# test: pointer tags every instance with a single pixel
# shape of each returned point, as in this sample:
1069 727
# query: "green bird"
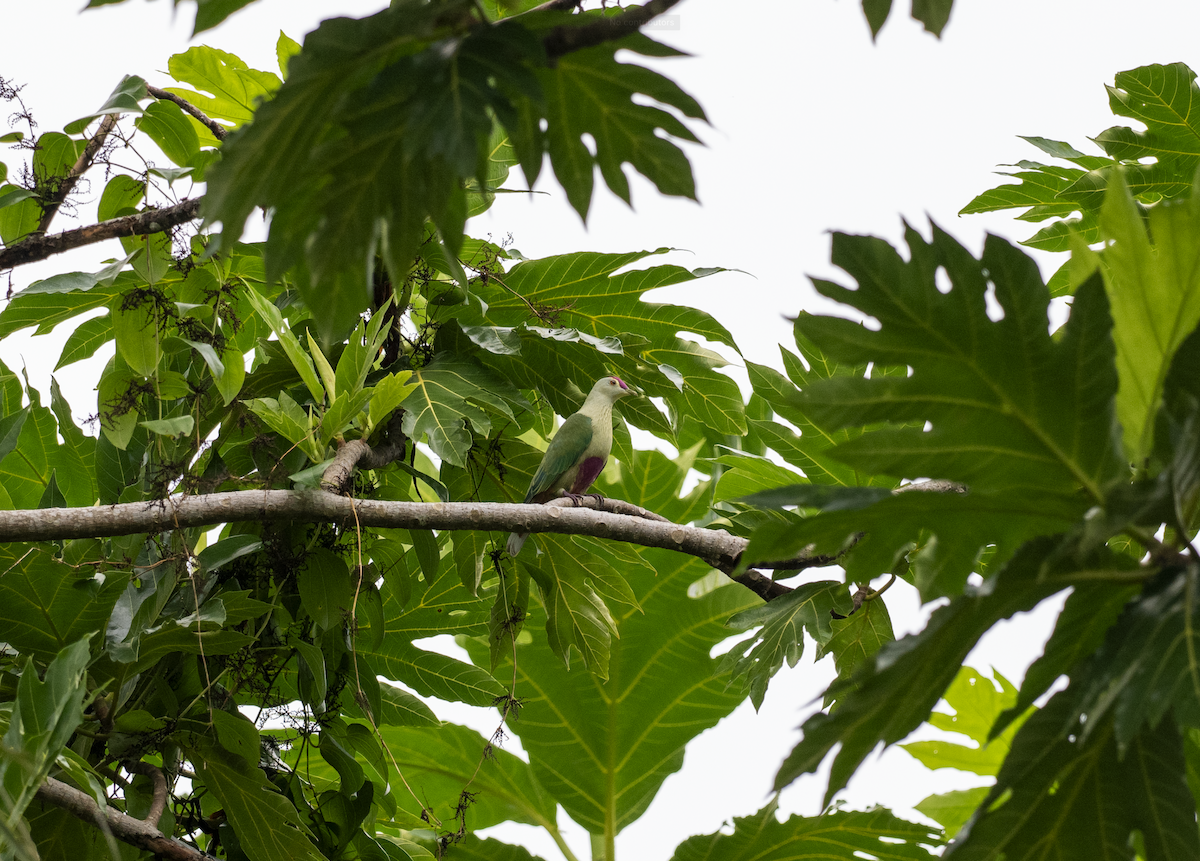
578 452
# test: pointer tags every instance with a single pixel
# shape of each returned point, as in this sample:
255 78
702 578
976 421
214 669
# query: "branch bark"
567 38
608 518
357 454
135 832
50 208
36 247
219 131
158 780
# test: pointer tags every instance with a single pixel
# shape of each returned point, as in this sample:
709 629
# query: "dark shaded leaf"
841 834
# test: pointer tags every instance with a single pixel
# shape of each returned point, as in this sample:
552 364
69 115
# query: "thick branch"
219 131
597 518
158 780
37 247
567 38
357 454
51 205
125 828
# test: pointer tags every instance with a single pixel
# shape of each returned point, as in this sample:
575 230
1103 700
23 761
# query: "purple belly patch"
589 471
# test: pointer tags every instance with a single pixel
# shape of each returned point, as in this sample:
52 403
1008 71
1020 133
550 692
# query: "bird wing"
564 452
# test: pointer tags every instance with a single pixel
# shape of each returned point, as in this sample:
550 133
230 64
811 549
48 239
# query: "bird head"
611 388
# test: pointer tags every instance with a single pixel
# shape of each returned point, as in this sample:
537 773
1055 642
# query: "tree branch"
219 131
339 475
158 780
567 38
125 828
608 518
50 207
36 247
553 6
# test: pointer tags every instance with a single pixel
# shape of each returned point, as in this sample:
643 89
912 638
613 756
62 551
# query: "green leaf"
300 360
323 368
166 124
325 588
1158 163
176 427
575 614
210 13
1090 610
876 12
234 87
590 93
1154 291
977 706
27 470
233 375
267 825
444 607
285 48
870 834
387 395
418 114
88 337
10 430
574 314
117 400
226 550
603 748
857 638
933 14
1028 412
444 759
1165 99
19 216
237 735
344 410
473 848
124 100
1149 668
429 555
121 196
286 418
135 328
44 715
52 497
446 398
12 195
753 661
894 691
1057 789
953 809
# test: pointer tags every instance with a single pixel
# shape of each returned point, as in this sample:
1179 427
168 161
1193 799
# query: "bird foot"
577 498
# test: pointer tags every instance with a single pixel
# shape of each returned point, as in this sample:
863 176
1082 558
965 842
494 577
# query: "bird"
577 453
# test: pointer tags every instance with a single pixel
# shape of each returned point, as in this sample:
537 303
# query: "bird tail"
516 541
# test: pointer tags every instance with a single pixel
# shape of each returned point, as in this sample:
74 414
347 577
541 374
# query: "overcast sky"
814 128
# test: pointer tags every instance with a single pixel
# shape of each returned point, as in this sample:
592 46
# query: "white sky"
813 129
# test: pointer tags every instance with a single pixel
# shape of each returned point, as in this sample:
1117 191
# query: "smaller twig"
554 6
158 802
51 204
357 454
933 485
871 596
219 131
567 38
103 714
